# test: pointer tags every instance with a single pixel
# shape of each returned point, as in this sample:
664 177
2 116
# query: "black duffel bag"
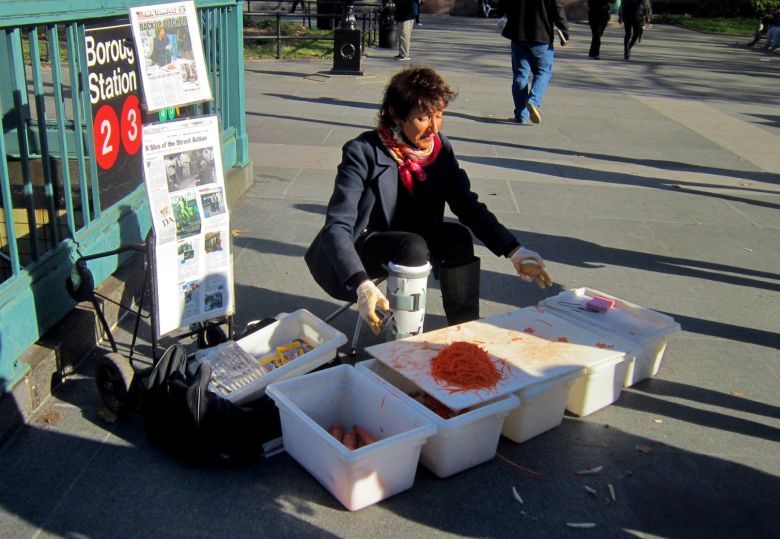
184 417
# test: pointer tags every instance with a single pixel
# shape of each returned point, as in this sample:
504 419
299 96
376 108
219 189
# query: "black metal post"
347 46
278 35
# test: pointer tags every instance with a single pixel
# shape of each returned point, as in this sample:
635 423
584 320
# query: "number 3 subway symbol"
107 130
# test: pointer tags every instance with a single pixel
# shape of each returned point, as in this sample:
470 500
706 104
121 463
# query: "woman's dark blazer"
364 200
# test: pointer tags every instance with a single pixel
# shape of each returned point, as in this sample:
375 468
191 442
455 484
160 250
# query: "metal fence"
54 207
319 14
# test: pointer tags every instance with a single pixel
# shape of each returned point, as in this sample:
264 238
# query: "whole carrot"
364 437
350 440
337 431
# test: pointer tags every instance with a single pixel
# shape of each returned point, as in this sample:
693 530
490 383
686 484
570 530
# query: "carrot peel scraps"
464 366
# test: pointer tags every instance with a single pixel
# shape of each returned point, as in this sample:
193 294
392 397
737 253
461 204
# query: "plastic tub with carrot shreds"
538 356
463 439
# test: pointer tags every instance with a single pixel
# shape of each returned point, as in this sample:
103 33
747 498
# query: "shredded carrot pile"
463 366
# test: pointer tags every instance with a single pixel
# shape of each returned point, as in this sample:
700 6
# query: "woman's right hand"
369 299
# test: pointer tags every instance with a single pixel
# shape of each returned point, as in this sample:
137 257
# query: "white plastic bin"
310 404
541 408
461 442
598 386
647 330
296 325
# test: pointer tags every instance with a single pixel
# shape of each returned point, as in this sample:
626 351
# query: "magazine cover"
170 52
186 188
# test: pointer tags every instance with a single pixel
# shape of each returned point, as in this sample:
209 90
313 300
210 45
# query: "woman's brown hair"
415 87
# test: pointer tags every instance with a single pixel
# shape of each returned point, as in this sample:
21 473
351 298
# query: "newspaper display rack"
186 189
187 257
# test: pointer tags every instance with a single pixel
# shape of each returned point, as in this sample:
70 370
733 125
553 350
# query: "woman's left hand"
530 267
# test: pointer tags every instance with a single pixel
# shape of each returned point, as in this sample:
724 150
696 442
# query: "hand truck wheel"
114 377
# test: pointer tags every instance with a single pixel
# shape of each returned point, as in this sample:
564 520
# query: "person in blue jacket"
388 205
161 47
531 27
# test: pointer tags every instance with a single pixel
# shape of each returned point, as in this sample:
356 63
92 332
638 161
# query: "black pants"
444 245
596 30
450 250
633 33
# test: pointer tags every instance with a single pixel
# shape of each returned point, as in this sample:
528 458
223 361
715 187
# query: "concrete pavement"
654 180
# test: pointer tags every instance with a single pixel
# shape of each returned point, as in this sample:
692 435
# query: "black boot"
460 292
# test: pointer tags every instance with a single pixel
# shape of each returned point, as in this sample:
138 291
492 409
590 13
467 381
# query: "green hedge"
716 8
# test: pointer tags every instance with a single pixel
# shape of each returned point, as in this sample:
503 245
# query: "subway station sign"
115 98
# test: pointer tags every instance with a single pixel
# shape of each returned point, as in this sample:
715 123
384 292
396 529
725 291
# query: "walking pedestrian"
598 18
404 16
773 33
531 27
633 15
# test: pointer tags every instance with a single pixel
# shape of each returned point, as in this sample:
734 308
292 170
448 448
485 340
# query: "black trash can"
388 31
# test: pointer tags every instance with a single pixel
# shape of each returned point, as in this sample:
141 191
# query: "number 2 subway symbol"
108 129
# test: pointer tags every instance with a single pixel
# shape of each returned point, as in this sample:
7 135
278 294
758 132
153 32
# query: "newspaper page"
186 188
170 50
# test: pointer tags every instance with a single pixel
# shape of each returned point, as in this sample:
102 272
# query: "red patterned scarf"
411 161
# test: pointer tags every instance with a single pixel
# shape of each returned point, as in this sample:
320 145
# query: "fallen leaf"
656 420
50 417
748 249
611 492
646 449
236 233
737 394
107 415
581 524
516 495
591 471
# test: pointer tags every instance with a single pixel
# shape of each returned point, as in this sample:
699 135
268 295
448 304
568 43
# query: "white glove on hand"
530 267
369 299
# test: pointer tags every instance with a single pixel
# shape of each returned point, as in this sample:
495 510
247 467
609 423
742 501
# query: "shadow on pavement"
105 480
570 172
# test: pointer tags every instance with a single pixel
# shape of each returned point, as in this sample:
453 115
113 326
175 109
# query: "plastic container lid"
624 319
529 346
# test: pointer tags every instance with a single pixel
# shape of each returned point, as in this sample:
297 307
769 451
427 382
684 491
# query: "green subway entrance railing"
54 207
